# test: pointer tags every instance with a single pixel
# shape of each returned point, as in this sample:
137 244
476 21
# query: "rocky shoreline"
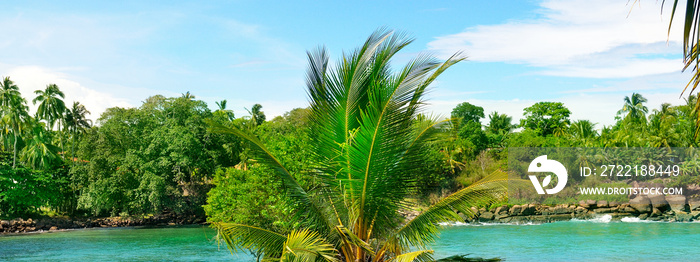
19 225
650 208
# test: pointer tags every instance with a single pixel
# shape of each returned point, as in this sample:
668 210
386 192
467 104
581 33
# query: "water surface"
596 240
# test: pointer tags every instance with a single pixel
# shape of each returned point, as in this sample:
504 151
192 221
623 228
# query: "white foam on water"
597 219
451 224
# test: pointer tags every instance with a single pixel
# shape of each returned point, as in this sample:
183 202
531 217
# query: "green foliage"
546 118
23 190
154 158
468 112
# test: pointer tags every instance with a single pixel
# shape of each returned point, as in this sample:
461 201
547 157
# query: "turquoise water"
561 241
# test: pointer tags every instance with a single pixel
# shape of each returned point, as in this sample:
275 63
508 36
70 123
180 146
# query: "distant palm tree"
8 92
257 114
500 123
51 105
370 146
76 123
583 131
188 96
634 109
222 111
39 153
15 117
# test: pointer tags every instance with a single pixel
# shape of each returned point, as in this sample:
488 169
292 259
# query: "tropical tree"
634 110
583 132
76 123
369 144
15 117
223 112
257 114
500 123
9 92
546 118
39 153
51 105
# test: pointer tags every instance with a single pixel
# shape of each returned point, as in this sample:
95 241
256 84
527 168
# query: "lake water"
595 240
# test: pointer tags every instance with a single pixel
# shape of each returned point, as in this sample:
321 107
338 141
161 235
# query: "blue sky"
587 54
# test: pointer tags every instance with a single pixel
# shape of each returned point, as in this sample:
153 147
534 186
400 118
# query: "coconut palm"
583 131
51 105
634 109
39 153
76 123
369 145
15 117
223 112
8 92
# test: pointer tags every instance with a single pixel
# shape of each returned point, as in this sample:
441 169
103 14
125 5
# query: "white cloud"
580 38
31 78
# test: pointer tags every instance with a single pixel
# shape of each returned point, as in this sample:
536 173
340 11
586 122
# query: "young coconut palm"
370 145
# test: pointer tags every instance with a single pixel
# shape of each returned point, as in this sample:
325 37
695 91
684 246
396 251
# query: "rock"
659 202
474 211
463 217
502 210
603 210
683 217
629 209
642 204
694 205
614 204
580 210
602 203
515 210
591 204
643 216
528 211
656 212
486 217
53 228
583 204
678 203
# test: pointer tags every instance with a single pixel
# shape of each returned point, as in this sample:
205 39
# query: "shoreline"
20 226
665 209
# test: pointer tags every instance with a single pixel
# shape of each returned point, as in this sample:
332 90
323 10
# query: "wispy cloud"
580 38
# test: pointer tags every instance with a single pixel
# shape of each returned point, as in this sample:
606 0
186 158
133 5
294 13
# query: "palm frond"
307 246
239 237
416 256
423 228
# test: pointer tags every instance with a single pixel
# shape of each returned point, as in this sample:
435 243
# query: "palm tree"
188 96
223 112
500 123
583 131
8 92
365 133
51 105
634 109
39 153
15 117
76 123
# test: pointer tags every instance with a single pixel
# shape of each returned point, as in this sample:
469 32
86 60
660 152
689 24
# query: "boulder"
602 203
528 210
515 210
581 210
678 203
659 202
656 212
683 217
643 216
694 205
486 217
603 210
502 210
474 211
642 204
53 228
614 204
